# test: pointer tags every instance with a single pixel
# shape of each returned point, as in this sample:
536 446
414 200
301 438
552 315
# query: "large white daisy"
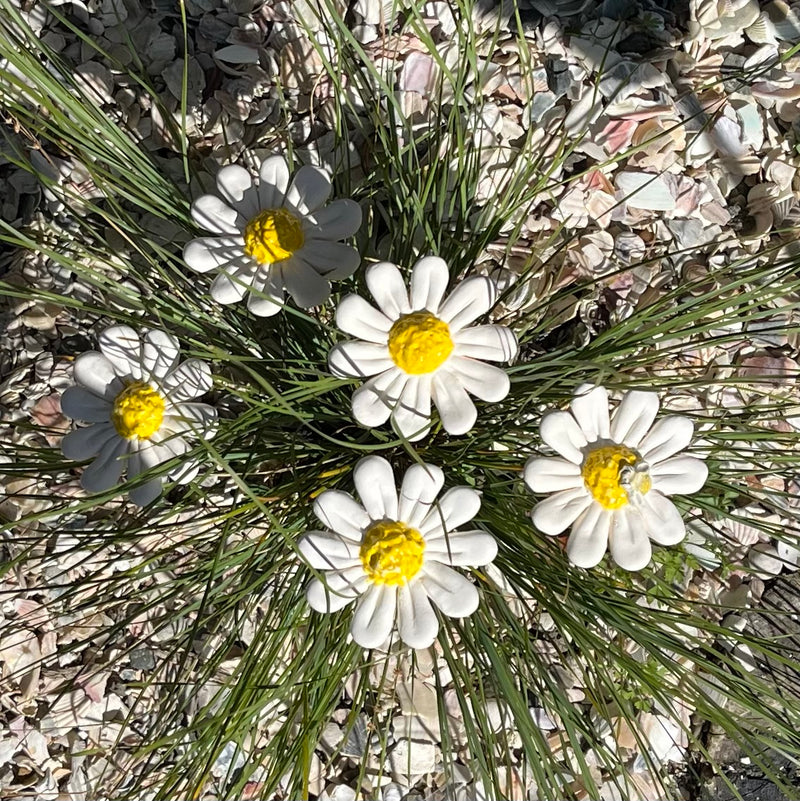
613 478
273 235
137 398
419 346
396 553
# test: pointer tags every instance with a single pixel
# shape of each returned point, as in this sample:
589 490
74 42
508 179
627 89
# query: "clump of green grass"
211 576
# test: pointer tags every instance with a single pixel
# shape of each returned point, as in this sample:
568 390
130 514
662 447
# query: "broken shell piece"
644 190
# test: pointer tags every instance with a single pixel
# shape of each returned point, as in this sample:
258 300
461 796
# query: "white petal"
463 548
188 380
376 487
266 294
662 520
373 618
471 299
229 287
306 286
457 411
167 445
338 220
309 190
412 412
235 185
416 621
356 317
342 587
212 253
679 475
184 473
590 409
320 600
668 436
95 373
557 513
588 539
421 484
484 381
429 280
628 541
633 417
332 259
373 403
104 472
198 419
213 214
455 595
457 506
327 551
274 181
80 404
160 353
359 359
84 443
386 285
146 493
560 431
339 512
494 343
121 345
551 474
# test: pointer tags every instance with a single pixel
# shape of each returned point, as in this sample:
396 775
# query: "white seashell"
762 31
643 190
790 554
764 560
727 138
785 21
237 54
752 124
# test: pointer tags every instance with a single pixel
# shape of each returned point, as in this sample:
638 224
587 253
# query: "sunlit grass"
218 557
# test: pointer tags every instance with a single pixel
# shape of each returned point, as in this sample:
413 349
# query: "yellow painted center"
391 552
419 342
611 472
138 411
273 235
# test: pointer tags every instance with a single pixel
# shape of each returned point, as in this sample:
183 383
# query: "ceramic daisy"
419 346
612 477
396 554
273 235
138 400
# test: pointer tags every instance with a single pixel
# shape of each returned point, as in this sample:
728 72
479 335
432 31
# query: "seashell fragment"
643 190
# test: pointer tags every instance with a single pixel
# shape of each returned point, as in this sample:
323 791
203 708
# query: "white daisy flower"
396 553
137 398
272 235
421 347
612 483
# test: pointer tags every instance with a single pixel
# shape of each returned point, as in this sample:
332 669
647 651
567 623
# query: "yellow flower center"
419 342
611 472
391 552
273 235
138 411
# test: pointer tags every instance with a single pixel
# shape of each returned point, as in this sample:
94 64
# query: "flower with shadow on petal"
138 399
272 236
419 346
612 477
395 553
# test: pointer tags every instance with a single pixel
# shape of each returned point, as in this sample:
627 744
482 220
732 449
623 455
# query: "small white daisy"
612 483
396 553
421 347
271 236
137 398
